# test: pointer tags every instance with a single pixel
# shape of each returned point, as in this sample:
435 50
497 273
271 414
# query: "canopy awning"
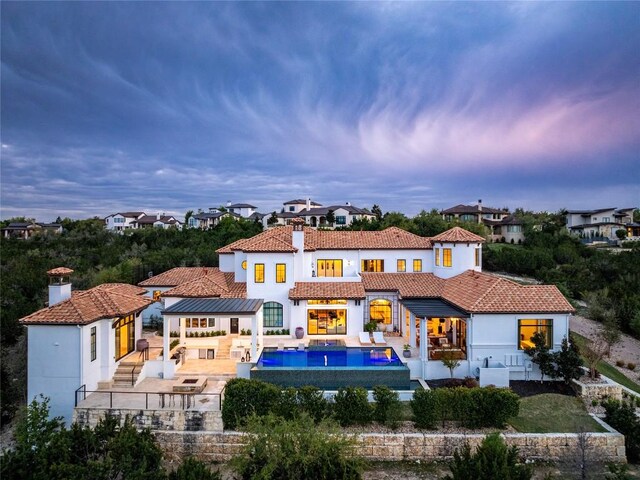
215 306
432 307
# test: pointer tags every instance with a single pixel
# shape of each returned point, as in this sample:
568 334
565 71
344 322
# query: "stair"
122 377
223 351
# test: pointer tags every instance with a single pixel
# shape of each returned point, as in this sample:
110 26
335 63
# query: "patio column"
423 340
254 337
182 323
412 330
260 322
167 365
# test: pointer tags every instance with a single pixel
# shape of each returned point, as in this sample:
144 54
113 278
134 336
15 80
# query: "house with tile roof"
81 339
315 215
24 230
601 223
122 221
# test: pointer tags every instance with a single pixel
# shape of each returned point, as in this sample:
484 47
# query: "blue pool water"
352 357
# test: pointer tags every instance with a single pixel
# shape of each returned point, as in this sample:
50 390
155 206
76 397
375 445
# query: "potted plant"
370 326
406 350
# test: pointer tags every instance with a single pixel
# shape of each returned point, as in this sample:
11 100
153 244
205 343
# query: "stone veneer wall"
178 421
598 390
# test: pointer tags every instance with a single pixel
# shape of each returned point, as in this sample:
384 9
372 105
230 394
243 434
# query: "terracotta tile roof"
409 285
177 276
483 293
214 284
279 239
326 290
60 271
457 235
109 300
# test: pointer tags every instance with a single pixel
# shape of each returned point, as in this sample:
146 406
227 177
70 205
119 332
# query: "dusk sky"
171 107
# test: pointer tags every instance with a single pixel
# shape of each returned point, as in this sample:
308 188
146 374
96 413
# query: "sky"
169 107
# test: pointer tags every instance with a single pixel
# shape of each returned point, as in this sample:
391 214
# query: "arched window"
380 311
272 314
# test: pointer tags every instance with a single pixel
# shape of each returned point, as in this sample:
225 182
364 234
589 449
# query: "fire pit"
190 385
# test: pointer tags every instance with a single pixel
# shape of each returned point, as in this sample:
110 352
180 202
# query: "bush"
245 397
287 404
387 406
192 469
492 460
631 366
296 449
423 406
619 363
351 406
174 344
311 401
622 417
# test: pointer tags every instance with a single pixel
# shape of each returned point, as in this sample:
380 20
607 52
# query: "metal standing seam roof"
216 306
432 307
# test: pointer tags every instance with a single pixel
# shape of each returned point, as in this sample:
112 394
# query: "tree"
331 217
193 469
450 359
541 356
593 352
273 219
610 332
187 216
621 233
492 460
377 211
568 361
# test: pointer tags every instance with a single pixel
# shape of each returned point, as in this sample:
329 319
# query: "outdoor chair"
378 338
365 339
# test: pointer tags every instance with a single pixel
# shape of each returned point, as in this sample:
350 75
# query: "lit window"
528 327
402 265
281 273
446 257
93 344
417 265
244 264
156 295
329 268
272 314
477 257
326 322
437 252
335 301
258 272
380 311
372 266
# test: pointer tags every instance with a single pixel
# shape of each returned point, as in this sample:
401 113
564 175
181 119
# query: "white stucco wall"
462 259
156 307
226 262
354 317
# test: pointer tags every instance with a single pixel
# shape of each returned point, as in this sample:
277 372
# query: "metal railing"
144 356
135 400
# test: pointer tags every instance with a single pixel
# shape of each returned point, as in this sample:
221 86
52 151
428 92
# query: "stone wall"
211 446
160 420
598 390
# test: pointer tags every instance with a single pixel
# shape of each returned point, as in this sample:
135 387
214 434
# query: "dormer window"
446 257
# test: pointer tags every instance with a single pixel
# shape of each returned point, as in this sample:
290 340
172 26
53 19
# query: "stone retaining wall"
598 390
211 446
161 420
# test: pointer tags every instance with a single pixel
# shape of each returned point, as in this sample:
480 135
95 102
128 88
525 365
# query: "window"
380 311
281 273
326 322
272 314
372 266
212 322
292 208
93 344
244 264
437 252
446 257
606 219
468 217
258 273
341 220
477 257
417 265
125 336
514 228
527 327
335 301
329 268
156 295
402 265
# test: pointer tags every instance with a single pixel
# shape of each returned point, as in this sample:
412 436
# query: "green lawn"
551 413
606 369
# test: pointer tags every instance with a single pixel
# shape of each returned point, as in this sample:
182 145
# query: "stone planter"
299 333
604 389
406 353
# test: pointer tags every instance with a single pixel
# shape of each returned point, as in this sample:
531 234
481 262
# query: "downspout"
469 343
81 354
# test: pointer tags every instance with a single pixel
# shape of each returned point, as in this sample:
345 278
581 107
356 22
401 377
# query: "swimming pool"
333 368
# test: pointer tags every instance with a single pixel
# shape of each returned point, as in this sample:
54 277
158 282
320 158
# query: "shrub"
351 406
490 407
370 326
631 366
287 404
387 405
311 400
492 460
243 332
192 469
568 361
245 397
174 344
622 417
423 406
284 449
619 363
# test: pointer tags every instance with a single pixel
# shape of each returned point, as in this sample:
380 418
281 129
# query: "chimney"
308 204
480 210
59 285
158 216
228 203
348 204
297 240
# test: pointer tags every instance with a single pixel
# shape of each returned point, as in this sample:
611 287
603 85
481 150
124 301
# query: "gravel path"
628 350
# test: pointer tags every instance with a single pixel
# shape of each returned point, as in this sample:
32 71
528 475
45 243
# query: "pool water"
352 357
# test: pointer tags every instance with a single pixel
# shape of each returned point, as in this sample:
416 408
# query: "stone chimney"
59 285
228 203
158 216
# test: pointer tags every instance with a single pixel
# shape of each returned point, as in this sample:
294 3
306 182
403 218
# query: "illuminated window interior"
477 257
437 252
402 265
329 268
258 272
327 322
334 301
244 264
281 273
527 327
380 311
417 265
446 257
156 295
447 334
372 266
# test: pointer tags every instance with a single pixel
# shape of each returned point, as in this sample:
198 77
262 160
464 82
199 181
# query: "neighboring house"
600 224
510 229
211 219
242 209
80 338
157 221
473 213
26 230
122 221
315 215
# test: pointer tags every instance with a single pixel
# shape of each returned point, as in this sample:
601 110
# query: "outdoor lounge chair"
378 338
281 346
364 338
